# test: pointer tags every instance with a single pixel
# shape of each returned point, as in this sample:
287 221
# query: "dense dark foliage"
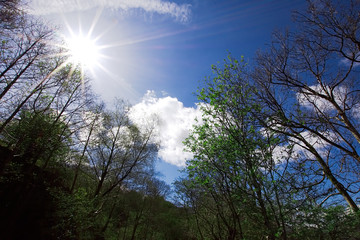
70 168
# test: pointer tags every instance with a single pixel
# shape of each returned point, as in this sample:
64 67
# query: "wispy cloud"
174 124
44 7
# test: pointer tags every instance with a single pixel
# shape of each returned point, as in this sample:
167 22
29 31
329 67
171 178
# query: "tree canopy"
276 151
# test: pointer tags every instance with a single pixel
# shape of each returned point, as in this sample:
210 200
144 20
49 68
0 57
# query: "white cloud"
319 144
44 7
342 95
174 124
356 111
309 100
347 63
93 121
282 153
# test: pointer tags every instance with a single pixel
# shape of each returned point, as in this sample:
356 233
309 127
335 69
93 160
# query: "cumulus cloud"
319 144
309 100
356 111
44 7
282 153
342 95
174 122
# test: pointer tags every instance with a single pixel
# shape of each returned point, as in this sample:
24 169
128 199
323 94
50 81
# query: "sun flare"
83 51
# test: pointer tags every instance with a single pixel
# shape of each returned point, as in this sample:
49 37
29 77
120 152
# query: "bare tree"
309 81
24 51
119 150
10 14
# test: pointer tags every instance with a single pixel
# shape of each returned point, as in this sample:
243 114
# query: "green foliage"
27 207
73 215
149 218
335 222
232 158
38 137
235 185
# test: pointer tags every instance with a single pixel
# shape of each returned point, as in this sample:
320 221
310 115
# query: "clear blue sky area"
168 48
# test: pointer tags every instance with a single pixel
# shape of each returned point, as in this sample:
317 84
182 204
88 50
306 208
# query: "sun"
83 51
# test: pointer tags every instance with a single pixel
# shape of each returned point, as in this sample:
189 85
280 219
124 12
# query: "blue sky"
155 52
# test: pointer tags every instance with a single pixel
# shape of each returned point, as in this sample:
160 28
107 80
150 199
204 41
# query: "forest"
276 154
